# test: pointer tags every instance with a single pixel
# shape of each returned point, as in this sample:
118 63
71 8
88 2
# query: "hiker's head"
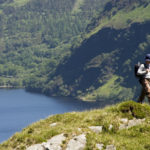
147 58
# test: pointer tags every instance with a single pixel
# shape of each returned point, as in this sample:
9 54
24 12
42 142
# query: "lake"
19 108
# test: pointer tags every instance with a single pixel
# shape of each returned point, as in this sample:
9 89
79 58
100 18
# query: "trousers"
145 91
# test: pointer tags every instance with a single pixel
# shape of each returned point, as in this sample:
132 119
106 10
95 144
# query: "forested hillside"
79 48
36 34
102 67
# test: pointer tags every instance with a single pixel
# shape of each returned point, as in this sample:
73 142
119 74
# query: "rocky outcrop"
125 123
36 147
110 147
99 146
96 129
110 127
52 144
53 124
77 143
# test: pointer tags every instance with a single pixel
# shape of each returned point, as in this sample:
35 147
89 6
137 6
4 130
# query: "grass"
16 3
131 109
20 2
109 90
140 14
135 138
123 19
77 5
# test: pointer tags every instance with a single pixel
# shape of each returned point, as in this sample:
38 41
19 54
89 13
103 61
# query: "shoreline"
11 87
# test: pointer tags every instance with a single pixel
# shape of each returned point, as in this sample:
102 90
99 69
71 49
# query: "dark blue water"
19 108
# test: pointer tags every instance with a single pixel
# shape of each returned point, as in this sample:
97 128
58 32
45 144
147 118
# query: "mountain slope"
36 34
96 61
102 66
85 49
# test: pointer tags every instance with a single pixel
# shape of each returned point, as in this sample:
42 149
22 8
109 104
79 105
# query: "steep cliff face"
111 52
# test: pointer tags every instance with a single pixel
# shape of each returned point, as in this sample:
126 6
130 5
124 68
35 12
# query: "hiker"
144 72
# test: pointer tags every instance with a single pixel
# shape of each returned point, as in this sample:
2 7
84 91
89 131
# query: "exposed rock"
135 122
53 124
55 142
110 127
122 126
130 123
124 120
77 143
79 129
96 129
99 146
110 147
105 113
36 147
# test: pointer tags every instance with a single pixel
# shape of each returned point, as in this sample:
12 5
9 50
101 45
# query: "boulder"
96 129
110 147
130 123
77 143
54 143
122 126
53 124
124 120
36 147
110 127
99 146
135 122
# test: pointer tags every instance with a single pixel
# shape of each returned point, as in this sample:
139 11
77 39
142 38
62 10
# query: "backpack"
136 67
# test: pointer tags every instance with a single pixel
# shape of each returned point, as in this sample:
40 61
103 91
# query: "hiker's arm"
142 70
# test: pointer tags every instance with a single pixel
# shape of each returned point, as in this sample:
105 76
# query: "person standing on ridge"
144 71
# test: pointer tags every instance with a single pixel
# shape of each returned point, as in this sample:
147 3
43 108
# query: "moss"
132 109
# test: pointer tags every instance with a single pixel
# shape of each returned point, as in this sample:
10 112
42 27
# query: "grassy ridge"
133 138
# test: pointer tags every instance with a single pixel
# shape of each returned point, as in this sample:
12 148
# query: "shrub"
132 109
